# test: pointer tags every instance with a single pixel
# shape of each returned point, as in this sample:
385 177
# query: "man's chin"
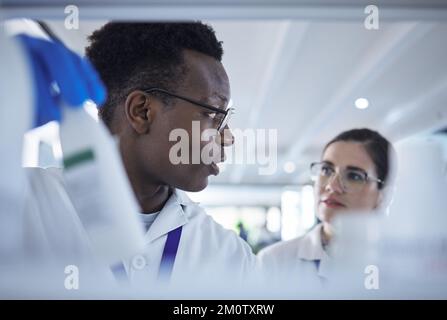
195 186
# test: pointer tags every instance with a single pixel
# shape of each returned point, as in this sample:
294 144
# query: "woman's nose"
334 184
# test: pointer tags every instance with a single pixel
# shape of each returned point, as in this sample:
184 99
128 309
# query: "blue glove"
53 64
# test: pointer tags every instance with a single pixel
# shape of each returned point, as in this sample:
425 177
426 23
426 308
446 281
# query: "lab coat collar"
183 199
172 216
312 250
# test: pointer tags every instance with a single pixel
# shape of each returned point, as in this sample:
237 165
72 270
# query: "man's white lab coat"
53 229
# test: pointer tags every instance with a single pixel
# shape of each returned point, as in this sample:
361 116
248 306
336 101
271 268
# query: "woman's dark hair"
378 148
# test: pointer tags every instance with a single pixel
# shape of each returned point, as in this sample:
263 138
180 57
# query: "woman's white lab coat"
298 260
206 250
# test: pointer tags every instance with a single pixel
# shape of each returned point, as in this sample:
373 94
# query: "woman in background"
351 176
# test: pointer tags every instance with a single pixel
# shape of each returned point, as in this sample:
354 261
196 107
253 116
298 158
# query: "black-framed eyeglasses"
221 117
351 180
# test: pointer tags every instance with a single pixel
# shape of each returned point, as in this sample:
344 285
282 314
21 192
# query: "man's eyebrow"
327 162
223 98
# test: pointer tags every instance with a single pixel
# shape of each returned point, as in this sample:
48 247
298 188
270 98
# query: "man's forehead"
206 76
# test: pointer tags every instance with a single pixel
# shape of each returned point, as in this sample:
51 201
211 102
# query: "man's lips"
214 169
222 159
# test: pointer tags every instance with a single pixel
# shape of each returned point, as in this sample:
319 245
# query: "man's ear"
138 111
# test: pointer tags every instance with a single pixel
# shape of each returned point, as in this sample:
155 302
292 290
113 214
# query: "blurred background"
305 69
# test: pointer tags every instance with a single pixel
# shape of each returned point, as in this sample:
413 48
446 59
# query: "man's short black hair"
131 56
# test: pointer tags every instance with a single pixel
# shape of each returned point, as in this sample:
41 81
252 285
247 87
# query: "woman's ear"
385 198
138 111
380 199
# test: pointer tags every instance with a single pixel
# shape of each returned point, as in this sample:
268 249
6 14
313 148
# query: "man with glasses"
162 77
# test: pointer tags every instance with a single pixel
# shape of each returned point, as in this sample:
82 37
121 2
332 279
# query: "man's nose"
334 184
225 137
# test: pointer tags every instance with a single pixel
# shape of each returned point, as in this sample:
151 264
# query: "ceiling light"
289 167
361 103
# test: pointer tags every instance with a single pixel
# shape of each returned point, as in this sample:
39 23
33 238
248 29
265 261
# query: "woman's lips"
331 203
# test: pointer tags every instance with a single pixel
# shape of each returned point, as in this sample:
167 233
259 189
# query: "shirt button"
138 262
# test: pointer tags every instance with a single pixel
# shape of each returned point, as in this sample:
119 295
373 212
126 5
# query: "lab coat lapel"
312 250
170 217
324 269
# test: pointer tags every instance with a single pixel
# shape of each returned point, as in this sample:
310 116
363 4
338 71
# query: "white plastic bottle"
15 119
99 188
414 246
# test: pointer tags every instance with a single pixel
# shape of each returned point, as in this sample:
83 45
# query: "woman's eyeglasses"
352 180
